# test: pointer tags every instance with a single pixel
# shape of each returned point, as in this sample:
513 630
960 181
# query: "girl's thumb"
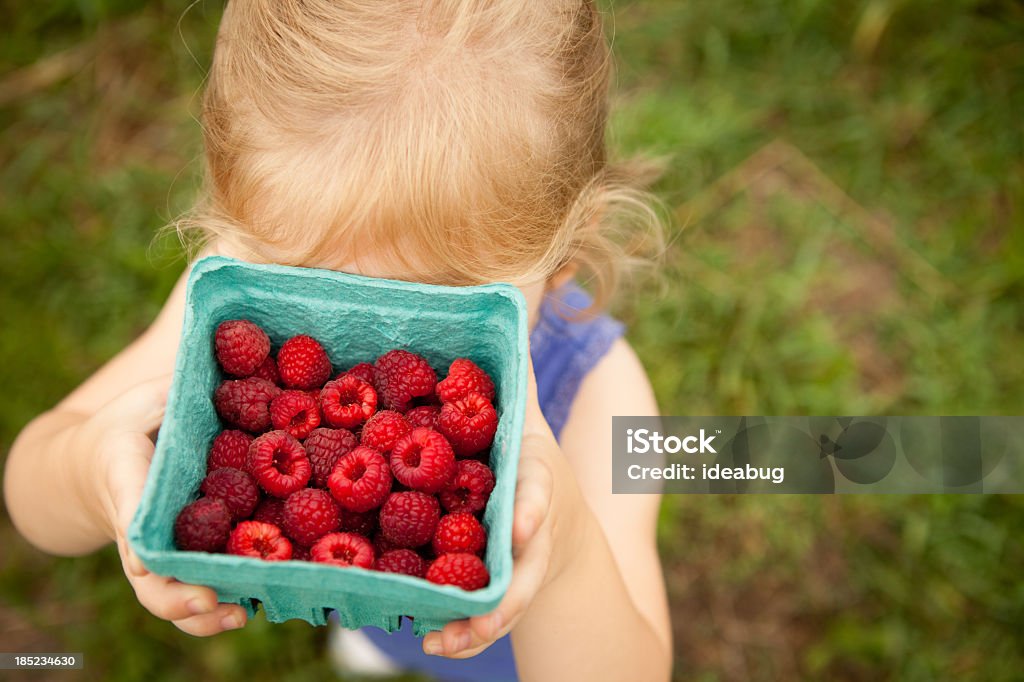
139 409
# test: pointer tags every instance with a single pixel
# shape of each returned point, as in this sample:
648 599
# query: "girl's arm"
65 446
587 599
612 600
74 475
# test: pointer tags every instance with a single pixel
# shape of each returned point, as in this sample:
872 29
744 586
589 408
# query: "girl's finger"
224 617
534 422
130 561
169 599
533 496
140 409
129 466
531 568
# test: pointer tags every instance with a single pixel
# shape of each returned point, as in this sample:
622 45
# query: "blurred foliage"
848 177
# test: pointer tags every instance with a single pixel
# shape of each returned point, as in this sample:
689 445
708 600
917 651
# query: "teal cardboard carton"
356 319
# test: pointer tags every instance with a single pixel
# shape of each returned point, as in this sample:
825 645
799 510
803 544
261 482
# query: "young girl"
445 141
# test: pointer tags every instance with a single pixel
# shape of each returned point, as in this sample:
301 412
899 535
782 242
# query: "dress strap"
565 345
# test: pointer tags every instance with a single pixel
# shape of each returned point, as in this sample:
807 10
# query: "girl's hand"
544 535
118 436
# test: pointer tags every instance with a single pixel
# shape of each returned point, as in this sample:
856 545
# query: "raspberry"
469 488
464 377
423 460
384 429
270 510
424 415
303 363
347 402
459 532
260 540
382 544
245 403
324 447
235 487
300 553
468 424
402 376
309 514
295 412
241 347
364 523
462 570
229 449
409 519
203 526
363 370
268 371
360 480
278 463
343 549
403 561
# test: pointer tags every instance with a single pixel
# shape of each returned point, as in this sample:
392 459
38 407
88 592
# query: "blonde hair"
451 141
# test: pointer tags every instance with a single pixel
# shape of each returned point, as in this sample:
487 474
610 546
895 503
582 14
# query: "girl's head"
446 141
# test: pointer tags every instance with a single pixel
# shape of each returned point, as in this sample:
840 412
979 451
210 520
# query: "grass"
848 182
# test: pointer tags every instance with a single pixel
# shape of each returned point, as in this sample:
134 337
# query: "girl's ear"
562 275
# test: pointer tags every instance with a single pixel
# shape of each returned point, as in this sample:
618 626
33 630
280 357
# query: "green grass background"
847 178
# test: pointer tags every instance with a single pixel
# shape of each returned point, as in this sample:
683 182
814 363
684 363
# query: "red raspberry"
343 549
303 363
382 544
464 377
424 415
300 553
403 561
324 447
309 514
383 430
315 395
364 523
469 488
468 424
462 570
235 487
360 480
347 402
245 403
278 463
270 510
423 460
268 371
229 449
409 519
203 526
363 370
260 540
402 376
295 412
459 532
241 347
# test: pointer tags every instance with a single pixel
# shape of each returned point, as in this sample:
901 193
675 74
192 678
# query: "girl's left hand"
547 505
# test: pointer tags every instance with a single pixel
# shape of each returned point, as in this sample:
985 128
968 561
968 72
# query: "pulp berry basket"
356 319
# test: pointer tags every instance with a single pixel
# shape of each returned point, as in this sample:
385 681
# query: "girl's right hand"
119 438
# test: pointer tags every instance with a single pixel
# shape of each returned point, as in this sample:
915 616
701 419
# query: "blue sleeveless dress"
563 349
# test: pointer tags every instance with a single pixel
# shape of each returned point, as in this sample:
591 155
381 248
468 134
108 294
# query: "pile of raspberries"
382 466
